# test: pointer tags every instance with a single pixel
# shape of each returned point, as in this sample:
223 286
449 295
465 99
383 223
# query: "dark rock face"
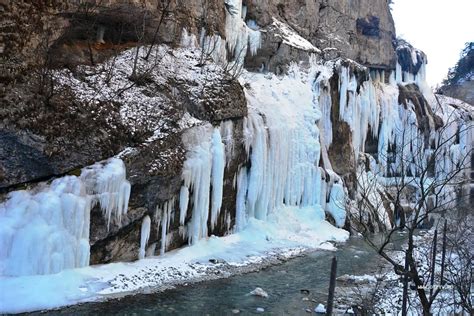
20 159
409 58
52 133
369 26
427 120
340 152
213 102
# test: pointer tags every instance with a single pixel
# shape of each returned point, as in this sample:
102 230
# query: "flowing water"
287 285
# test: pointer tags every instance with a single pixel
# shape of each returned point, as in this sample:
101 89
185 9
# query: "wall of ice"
282 142
46 229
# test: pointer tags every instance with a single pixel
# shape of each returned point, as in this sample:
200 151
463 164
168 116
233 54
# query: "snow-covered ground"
382 292
285 234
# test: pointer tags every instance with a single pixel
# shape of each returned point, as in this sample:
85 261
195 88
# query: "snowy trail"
287 233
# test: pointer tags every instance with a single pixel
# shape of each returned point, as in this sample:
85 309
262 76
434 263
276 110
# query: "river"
287 284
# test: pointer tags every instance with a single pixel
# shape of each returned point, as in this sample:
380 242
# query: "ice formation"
217 174
46 230
240 39
203 176
282 141
144 236
164 216
336 206
109 186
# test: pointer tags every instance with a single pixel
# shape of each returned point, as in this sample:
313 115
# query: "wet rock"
259 292
260 310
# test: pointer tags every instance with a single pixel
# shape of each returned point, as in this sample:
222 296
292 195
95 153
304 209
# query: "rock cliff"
161 83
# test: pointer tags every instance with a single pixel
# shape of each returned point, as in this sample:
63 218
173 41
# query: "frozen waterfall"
46 229
282 140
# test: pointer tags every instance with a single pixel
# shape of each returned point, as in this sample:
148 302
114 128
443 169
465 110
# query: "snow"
357 279
320 309
291 37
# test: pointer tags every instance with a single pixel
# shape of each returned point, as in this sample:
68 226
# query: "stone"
259 292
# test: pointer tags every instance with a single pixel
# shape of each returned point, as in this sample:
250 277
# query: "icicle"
188 40
240 208
144 236
336 205
239 37
204 165
398 73
164 216
218 165
183 204
108 183
227 130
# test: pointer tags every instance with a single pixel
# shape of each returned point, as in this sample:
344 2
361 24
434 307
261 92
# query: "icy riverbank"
286 234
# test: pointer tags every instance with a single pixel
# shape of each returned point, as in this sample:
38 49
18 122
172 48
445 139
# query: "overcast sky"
438 27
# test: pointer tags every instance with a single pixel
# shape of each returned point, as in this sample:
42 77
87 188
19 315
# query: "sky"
440 28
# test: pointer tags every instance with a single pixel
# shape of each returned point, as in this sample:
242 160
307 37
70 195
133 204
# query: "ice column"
144 236
164 216
203 179
217 175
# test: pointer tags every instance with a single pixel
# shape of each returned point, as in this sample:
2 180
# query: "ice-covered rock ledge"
260 244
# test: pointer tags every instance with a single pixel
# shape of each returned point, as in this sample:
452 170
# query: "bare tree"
424 170
165 11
